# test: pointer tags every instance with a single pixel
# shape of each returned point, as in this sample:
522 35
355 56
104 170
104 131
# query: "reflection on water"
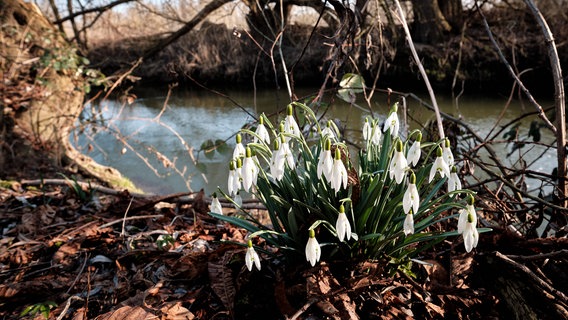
148 139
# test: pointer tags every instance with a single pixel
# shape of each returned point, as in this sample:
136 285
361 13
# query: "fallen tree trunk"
43 91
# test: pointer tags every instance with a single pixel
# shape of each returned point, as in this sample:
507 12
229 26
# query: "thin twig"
563 253
540 110
124 219
402 19
559 102
67 305
78 274
524 269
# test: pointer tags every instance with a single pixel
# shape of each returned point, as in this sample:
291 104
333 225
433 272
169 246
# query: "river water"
152 140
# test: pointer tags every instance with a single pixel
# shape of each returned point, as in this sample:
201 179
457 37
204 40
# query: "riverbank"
216 56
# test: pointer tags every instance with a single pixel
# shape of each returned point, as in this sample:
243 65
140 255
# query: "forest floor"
68 252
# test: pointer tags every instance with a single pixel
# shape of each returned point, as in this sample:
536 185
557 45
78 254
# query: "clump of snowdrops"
324 206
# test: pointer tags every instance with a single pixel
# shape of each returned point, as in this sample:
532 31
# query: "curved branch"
91 10
200 16
559 101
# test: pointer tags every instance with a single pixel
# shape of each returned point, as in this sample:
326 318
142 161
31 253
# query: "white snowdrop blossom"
234 180
249 171
398 164
367 130
313 250
238 201
411 198
447 153
439 166
328 131
454 182
216 205
414 153
338 172
392 122
239 151
342 225
408 225
281 156
251 257
467 225
261 131
290 124
325 163
376 137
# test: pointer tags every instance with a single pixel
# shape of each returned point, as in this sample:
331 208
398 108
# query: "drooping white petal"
408 225
313 251
462 220
439 166
397 166
411 199
392 123
287 155
448 156
414 153
262 133
291 126
328 133
216 206
343 227
325 164
231 181
470 236
234 180
454 182
376 139
338 175
239 151
251 257
238 201
250 173
367 130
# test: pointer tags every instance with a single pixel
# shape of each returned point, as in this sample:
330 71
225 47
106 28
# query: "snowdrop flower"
251 257
447 153
439 166
414 153
261 131
281 156
376 137
238 200
411 198
342 225
467 224
290 124
392 122
454 182
239 151
249 171
325 162
338 172
328 131
408 225
367 130
313 250
216 205
234 180
398 163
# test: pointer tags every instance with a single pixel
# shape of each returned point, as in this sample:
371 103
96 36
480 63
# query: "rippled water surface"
145 140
